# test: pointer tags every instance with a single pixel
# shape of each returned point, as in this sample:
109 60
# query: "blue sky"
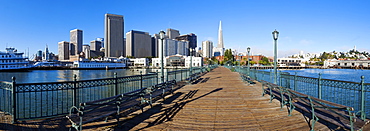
305 25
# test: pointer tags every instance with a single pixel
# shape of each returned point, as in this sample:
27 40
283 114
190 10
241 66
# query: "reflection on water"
335 74
37 76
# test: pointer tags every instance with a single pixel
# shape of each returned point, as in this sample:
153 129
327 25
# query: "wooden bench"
275 92
119 105
193 77
339 115
247 78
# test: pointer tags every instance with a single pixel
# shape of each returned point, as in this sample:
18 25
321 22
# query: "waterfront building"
196 61
207 47
113 36
76 40
178 61
172 33
86 51
138 44
191 39
139 62
291 62
175 61
346 63
63 50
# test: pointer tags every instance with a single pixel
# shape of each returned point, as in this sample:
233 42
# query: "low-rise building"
178 61
139 62
291 61
347 63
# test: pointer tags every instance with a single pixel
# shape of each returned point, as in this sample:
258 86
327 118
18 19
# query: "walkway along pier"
218 100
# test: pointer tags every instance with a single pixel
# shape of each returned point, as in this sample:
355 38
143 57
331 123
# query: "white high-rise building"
86 50
173 47
207 47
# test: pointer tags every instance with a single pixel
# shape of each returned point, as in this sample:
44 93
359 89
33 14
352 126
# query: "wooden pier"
219 100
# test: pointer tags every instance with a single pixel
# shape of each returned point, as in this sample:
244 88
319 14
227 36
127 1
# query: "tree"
228 55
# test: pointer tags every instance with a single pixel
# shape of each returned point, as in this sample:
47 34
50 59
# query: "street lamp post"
275 35
191 61
248 68
161 36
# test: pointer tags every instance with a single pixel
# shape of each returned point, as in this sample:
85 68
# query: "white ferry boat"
11 60
99 65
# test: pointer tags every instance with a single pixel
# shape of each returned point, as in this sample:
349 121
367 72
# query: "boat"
11 60
98 65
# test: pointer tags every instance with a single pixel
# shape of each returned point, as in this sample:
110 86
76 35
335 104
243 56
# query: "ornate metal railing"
40 100
353 94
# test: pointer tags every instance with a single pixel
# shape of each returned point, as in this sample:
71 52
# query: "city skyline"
311 26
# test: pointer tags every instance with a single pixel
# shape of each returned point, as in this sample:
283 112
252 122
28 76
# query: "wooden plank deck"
220 100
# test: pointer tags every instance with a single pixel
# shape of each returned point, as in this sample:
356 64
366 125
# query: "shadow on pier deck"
219 100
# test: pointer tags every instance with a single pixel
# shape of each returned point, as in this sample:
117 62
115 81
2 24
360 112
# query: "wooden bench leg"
263 90
314 118
282 102
291 105
272 96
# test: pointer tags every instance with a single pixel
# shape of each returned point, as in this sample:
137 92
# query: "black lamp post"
275 35
248 68
161 36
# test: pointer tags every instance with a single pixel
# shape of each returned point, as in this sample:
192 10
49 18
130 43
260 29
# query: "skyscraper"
220 49
172 33
46 56
220 43
192 39
113 36
76 41
95 45
63 50
155 45
86 50
138 44
207 47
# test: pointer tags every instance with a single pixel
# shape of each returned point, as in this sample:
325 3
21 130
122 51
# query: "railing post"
255 73
167 75
141 80
295 81
363 115
186 74
180 75
115 84
157 77
176 75
280 79
14 100
74 98
270 76
319 87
